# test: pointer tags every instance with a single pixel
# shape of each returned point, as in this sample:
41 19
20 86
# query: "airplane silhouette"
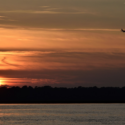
122 30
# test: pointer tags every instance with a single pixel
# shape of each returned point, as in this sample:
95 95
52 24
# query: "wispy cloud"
52 10
58 29
5 62
63 60
2 17
47 12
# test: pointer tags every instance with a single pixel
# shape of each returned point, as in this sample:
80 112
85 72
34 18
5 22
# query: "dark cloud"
63 14
100 77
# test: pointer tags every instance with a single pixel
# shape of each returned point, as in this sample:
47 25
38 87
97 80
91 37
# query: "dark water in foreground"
62 114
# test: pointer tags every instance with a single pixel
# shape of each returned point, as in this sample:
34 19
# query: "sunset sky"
62 43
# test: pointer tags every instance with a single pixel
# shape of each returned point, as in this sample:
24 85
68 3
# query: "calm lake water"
62 114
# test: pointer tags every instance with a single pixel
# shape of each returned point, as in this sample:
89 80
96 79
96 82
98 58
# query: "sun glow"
1 82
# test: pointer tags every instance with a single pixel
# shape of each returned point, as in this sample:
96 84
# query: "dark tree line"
48 94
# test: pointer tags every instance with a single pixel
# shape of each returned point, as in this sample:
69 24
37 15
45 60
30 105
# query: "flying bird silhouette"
122 30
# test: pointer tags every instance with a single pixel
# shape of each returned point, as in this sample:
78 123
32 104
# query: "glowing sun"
1 82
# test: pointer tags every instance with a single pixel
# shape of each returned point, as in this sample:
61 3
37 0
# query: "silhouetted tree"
47 94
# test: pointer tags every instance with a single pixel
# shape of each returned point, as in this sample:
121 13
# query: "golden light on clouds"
62 39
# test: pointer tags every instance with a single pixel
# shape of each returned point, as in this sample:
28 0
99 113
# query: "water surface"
62 114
